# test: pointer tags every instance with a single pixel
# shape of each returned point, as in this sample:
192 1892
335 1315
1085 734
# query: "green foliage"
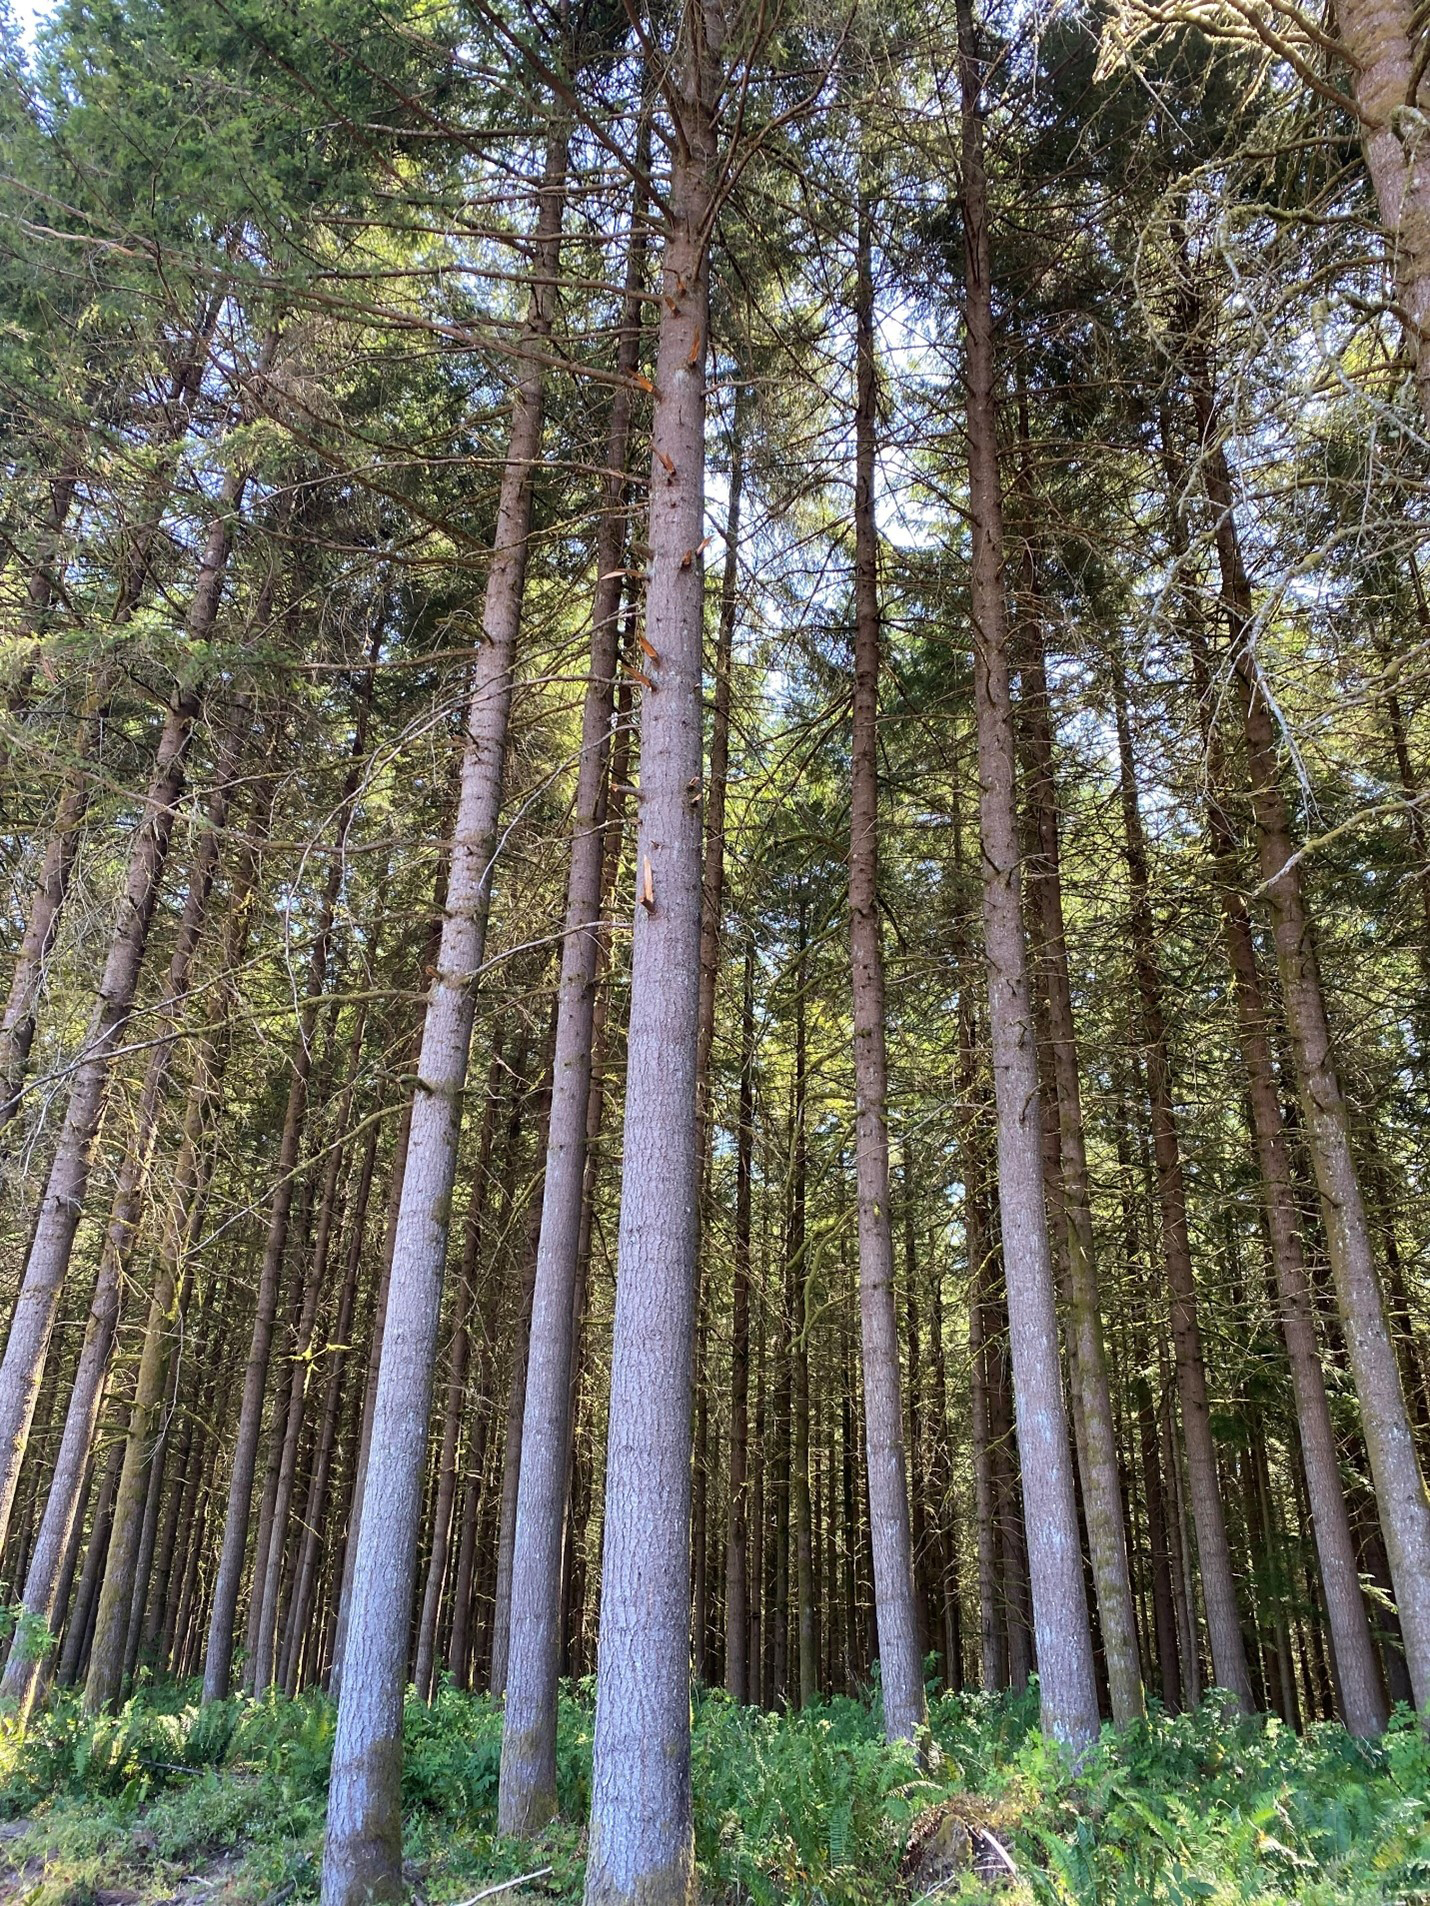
802 1806
808 1808
1210 1807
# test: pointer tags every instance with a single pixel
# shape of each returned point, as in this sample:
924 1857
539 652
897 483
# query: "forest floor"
172 1802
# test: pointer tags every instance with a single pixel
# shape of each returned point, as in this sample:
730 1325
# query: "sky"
27 13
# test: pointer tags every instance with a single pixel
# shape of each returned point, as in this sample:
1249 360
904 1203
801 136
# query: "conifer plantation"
715 952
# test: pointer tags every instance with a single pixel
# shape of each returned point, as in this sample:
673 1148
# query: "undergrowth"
788 1808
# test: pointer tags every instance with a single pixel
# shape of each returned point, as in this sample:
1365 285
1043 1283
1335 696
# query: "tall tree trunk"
1390 1445
801 1523
737 1535
1362 1696
515 1424
1384 42
527 1786
316 1502
905 1710
945 1536
641 1843
218 1658
1208 1516
77 1629
993 1648
1102 1483
1067 1682
358 1474
267 1586
1164 1615
49 1255
362 1857
82 1415
424 1673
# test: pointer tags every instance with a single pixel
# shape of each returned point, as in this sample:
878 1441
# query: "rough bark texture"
362 1856
62 1503
1390 1444
641 1846
218 1659
1384 39
1102 1482
48 1260
1067 1683
458 1352
267 1585
316 1501
737 1534
900 1659
1228 1648
527 1792
1362 1697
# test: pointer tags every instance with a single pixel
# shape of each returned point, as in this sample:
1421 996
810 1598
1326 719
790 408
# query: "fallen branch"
505 1886
998 1847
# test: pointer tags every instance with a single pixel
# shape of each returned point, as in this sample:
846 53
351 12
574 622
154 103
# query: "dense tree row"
714 870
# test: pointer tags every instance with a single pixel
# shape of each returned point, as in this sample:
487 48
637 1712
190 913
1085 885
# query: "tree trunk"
78 1627
218 1659
1067 1683
49 1256
512 1443
905 1710
316 1502
737 1536
527 1787
1228 1648
267 1587
362 1857
66 1481
424 1673
1390 1445
641 1844
1087 1352
1359 1679
801 1523
1164 1614
1384 41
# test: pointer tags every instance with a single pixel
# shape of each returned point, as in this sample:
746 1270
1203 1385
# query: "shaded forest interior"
717 896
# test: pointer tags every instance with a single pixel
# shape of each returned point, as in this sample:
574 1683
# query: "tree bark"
362 1856
1067 1683
82 1415
218 1659
1362 1696
527 1787
515 1424
1384 40
1228 1647
1087 1352
801 1522
641 1845
49 1255
737 1535
905 1710
1390 1445
424 1672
